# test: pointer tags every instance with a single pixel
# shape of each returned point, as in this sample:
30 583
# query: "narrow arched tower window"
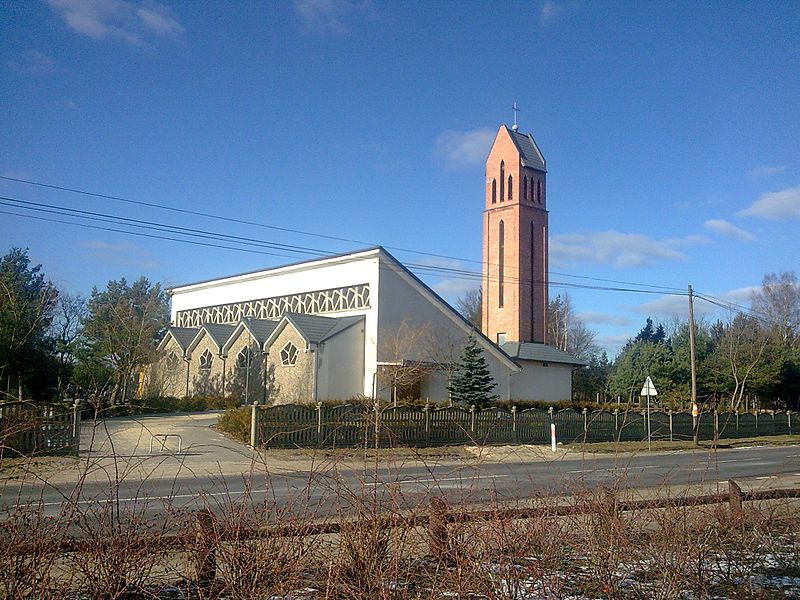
525 187
510 187
501 260
539 190
494 191
502 180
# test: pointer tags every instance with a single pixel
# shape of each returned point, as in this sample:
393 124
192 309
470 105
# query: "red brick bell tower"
515 254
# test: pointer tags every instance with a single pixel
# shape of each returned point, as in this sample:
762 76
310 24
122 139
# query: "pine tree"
472 383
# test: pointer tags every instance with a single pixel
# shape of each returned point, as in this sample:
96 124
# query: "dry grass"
128 553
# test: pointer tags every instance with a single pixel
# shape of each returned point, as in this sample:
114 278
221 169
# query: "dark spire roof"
529 152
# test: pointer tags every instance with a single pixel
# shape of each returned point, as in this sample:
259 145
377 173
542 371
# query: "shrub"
236 422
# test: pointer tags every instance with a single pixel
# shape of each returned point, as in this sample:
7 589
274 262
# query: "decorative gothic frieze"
341 299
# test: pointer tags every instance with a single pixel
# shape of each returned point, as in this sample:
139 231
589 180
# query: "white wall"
352 269
340 361
537 382
401 301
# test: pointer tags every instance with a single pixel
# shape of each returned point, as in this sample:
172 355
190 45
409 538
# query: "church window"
533 280
494 191
539 190
510 187
206 360
525 187
289 355
244 358
501 339
172 360
502 180
501 260
533 190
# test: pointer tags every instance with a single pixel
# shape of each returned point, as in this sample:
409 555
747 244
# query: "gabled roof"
219 334
183 336
529 152
314 329
259 329
445 307
539 352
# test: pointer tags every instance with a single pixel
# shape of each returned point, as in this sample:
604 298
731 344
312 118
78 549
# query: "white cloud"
124 254
779 206
668 306
617 249
728 230
32 62
133 22
550 11
452 288
766 171
612 343
598 318
465 148
326 15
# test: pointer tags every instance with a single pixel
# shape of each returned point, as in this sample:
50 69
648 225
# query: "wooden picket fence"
347 426
28 428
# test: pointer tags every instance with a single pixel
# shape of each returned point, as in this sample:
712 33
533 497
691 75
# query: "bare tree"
567 332
65 330
778 302
739 352
469 304
407 358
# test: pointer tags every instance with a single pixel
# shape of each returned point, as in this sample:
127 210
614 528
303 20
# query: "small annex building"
361 324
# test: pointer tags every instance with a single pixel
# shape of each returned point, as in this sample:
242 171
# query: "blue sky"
671 132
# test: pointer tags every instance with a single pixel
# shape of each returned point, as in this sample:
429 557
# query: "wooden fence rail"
290 426
203 544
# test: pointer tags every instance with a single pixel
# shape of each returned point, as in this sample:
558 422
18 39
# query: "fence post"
789 416
205 558
319 423
735 499
254 425
585 424
514 424
427 410
756 412
737 422
670 424
616 424
76 426
716 425
472 418
377 408
438 542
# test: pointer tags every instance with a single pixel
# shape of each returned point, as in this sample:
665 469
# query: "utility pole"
695 413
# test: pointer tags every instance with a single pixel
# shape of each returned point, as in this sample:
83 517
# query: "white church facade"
361 324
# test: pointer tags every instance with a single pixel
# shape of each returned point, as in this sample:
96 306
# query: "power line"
93 216
298 231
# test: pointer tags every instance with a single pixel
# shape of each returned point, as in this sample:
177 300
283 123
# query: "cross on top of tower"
516 110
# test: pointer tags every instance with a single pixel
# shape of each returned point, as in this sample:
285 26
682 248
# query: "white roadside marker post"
553 437
648 389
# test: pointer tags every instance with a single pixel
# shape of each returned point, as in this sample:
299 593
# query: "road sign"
648 389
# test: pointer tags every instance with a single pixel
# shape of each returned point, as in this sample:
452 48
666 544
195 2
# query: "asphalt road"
217 472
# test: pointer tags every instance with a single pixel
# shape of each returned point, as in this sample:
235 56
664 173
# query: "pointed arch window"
206 360
172 360
510 187
539 190
502 180
501 251
494 191
525 187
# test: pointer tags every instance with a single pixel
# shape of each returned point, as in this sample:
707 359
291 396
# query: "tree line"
56 344
750 359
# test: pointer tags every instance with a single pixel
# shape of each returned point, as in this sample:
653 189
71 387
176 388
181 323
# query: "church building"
361 324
